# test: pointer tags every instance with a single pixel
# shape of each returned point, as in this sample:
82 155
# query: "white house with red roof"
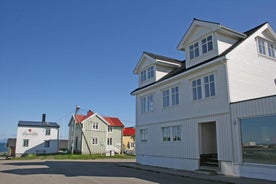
93 134
215 110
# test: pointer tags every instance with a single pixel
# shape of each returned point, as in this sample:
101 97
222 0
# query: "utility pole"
74 130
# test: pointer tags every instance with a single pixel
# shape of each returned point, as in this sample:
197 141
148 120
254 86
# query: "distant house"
129 139
11 144
37 137
93 133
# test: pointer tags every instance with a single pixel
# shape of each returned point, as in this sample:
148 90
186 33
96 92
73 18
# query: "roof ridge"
158 56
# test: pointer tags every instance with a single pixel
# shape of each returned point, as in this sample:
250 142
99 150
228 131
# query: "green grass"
72 157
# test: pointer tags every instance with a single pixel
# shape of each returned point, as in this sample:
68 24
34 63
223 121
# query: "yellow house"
129 140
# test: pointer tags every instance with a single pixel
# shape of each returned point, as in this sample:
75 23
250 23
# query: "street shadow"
88 168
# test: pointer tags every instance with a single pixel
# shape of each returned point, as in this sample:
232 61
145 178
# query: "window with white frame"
147 73
197 90
95 126
144 135
198 48
166 98
271 50
194 50
143 75
176 133
266 48
207 44
166 133
170 97
109 141
150 103
94 140
205 90
209 83
25 142
109 129
175 95
150 72
147 103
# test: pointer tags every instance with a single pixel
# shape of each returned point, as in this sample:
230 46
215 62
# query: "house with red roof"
129 140
92 133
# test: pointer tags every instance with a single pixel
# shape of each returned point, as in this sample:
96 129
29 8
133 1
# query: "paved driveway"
82 172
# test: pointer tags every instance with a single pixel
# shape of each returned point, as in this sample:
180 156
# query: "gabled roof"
163 58
37 124
158 59
183 69
129 131
111 121
213 26
114 122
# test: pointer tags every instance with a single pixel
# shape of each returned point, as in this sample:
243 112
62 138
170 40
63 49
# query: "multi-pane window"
143 104
207 44
176 133
48 131
109 141
205 90
94 141
150 103
144 135
194 50
25 142
166 98
266 48
271 50
166 133
109 129
143 75
261 44
197 91
209 83
95 126
150 72
47 144
171 133
147 73
147 104
175 96
170 97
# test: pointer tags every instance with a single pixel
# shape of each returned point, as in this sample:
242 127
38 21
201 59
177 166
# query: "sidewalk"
189 174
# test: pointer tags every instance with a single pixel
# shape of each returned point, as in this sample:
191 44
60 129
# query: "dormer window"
150 72
266 48
202 47
207 44
147 73
194 50
143 75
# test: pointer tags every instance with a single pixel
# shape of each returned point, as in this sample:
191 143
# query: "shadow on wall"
43 148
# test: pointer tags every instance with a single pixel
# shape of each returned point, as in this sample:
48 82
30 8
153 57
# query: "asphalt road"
83 172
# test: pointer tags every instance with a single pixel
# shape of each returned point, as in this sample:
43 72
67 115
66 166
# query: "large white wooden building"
204 112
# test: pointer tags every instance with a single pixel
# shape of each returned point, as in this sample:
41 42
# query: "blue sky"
56 54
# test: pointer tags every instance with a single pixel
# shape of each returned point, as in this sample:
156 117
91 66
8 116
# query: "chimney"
43 118
90 113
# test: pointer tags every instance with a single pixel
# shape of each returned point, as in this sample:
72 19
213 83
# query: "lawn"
72 157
